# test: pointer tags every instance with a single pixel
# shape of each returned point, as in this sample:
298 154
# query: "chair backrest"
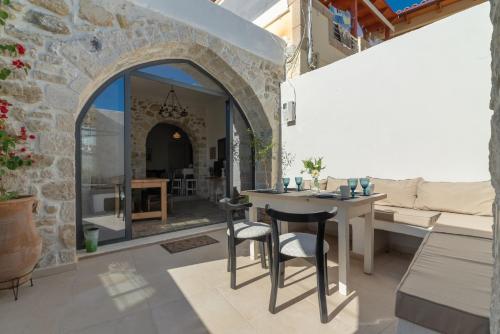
306 218
230 209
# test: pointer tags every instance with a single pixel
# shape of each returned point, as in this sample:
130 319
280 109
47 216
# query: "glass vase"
315 185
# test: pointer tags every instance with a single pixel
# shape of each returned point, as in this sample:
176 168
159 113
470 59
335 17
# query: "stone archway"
71 64
144 122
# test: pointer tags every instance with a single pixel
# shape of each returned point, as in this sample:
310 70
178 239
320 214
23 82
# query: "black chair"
241 231
304 245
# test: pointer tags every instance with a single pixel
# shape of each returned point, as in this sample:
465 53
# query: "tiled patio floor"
147 290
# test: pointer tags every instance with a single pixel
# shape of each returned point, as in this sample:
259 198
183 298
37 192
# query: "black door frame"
231 106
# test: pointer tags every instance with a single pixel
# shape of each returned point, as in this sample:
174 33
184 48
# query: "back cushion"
401 193
332 183
473 198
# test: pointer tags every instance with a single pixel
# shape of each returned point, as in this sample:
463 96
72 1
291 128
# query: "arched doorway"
117 130
168 148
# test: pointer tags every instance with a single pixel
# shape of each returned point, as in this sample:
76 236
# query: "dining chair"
300 245
190 187
241 231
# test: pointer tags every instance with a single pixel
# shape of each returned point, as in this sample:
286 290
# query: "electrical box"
288 112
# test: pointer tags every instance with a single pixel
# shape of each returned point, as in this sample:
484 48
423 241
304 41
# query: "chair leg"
270 252
232 252
262 250
282 274
228 257
327 289
320 277
274 285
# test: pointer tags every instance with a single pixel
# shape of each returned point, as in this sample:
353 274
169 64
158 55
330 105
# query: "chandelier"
172 108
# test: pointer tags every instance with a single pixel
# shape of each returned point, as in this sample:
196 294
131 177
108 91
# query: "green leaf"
3 14
5 73
6 2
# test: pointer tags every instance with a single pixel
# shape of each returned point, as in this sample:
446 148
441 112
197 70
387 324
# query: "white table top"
309 195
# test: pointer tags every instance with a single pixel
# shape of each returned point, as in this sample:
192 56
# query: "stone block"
23 35
55 78
56 6
26 92
67 235
47 22
67 212
61 98
59 190
53 143
95 14
65 167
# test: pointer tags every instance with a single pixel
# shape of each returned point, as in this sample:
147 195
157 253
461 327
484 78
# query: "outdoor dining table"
308 201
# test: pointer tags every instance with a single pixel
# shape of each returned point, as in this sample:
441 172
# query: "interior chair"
300 245
241 231
190 187
177 185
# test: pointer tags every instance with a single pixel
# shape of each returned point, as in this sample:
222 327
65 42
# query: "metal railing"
344 36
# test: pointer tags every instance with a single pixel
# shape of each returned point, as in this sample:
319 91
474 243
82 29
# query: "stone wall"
74 47
145 117
495 161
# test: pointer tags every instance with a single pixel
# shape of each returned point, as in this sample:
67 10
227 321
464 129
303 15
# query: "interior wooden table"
148 184
304 201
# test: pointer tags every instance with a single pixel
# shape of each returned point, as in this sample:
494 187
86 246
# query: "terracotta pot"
20 244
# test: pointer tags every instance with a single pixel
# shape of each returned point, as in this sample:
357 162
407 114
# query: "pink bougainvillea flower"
18 63
23 149
4 109
5 103
32 136
3 116
21 50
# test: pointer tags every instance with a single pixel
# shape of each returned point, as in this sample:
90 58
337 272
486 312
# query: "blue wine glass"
364 182
298 181
286 182
353 184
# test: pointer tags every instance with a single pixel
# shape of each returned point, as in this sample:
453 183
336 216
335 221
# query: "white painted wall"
222 23
416 105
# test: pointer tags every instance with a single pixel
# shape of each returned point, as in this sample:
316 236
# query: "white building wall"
417 105
222 23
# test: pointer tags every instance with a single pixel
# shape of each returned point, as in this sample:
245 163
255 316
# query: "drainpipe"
310 60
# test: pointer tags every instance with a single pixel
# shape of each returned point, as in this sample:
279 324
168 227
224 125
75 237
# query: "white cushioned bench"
447 287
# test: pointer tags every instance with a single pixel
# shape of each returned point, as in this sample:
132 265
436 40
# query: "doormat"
178 246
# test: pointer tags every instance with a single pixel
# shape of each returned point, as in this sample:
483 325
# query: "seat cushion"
300 244
421 218
473 198
456 223
332 184
447 287
402 193
246 230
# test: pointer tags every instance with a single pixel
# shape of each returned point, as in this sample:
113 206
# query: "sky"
113 97
401 4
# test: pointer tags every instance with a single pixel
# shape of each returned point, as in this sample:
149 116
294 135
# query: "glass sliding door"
103 186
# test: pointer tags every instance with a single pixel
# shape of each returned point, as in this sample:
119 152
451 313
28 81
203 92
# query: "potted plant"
314 167
20 244
287 160
263 149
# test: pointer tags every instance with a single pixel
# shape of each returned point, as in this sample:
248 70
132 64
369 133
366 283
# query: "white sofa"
447 287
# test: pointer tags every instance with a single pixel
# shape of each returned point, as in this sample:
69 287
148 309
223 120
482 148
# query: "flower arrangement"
313 167
13 145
